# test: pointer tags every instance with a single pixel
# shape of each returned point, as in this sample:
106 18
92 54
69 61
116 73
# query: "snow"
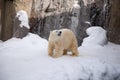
96 37
27 59
23 17
88 22
76 5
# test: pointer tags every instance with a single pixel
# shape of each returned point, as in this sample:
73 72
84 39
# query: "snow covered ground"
27 59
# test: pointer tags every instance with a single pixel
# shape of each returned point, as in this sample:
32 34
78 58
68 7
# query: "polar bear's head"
55 35
57 32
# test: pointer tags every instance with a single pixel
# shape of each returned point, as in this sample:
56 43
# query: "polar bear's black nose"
59 33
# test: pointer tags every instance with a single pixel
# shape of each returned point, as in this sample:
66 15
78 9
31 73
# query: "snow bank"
96 37
27 59
31 41
23 17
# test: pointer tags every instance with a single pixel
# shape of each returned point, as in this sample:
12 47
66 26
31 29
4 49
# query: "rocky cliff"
77 15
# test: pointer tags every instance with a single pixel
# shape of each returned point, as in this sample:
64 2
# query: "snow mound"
23 17
96 37
30 41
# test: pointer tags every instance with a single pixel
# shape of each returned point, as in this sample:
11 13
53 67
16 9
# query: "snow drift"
96 37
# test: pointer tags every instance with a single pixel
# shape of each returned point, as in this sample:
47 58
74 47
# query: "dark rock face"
7 15
113 24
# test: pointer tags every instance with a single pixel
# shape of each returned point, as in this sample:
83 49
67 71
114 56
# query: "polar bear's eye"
59 33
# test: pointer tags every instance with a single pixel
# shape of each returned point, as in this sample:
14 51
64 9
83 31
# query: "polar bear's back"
67 38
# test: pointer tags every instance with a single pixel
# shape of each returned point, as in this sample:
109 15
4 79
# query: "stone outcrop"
113 24
21 26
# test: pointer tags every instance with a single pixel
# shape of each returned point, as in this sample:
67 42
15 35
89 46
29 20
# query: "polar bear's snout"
59 33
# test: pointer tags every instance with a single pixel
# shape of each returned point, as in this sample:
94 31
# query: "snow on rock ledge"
96 37
21 24
23 17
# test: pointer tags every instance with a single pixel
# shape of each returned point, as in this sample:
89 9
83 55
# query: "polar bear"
60 41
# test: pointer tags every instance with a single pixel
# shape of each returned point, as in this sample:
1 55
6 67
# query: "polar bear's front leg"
58 52
50 49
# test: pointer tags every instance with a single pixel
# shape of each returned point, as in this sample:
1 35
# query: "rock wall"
77 15
57 14
10 25
7 10
113 24
23 5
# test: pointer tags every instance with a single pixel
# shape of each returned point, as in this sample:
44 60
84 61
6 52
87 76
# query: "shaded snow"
27 59
23 17
96 37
